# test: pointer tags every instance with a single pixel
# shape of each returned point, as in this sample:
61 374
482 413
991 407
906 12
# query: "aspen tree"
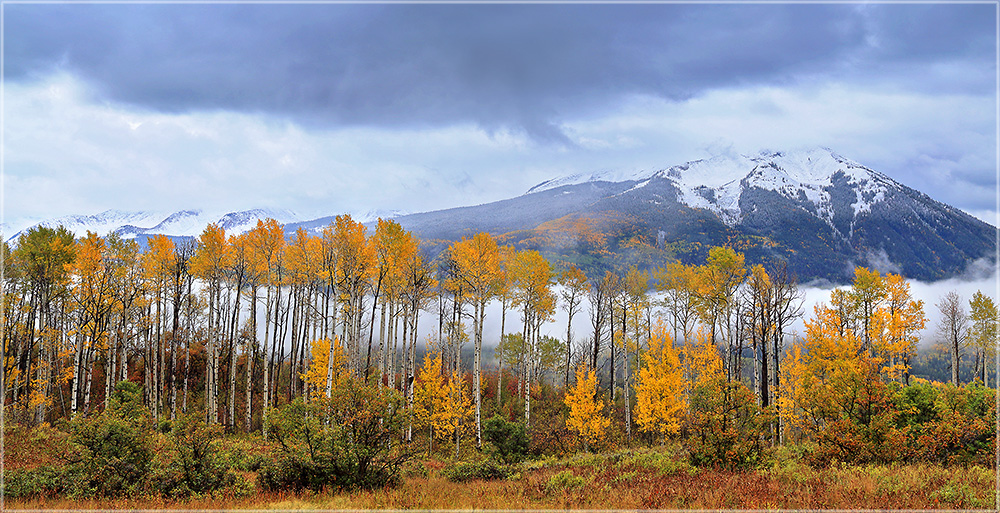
760 301
586 409
982 335
328 259
615 289
598 296
660 388
128 289
531 279
42 259
355 265
391 245
505 294
717 281
254 273
416 285
158 262
239 275
635 286
93 301
677 284
208 263
868 294
478 267
900 317
267 240
181 283
787 307
574 286
952 326
430 398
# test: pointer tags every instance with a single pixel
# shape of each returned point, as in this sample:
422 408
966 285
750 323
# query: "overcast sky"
324 109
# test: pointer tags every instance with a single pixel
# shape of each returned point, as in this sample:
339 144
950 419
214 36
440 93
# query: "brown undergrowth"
642 479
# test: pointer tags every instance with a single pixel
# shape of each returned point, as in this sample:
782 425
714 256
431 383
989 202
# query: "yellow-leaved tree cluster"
233 325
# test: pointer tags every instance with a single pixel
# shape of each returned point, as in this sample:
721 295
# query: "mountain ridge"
818 211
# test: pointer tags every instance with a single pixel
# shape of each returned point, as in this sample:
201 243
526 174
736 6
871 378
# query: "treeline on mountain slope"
183 320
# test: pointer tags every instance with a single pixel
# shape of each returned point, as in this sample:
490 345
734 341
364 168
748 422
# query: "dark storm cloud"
499 66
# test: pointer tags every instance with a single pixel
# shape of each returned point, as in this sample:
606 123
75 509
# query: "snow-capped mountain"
184 223
820 212
718 184
368 217
191 223
816 210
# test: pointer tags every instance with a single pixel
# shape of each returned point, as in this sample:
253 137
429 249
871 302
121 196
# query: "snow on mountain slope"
370 216
718 183
102 223
184 223
236 223
805 176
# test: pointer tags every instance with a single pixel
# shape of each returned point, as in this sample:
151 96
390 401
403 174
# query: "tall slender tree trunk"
265 362
477 327
410 370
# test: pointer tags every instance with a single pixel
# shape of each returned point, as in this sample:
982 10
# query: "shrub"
488 469
42 481
508 440
344 442
663 464
564 480
197 466
116 457
727 426
962 430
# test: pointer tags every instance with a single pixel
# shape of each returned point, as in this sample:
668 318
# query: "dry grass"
625 485
640 479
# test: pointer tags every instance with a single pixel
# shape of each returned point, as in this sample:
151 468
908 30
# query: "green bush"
345 442
44 481
115 457
728 428
487 470
564 480
508 440
197 466
664 464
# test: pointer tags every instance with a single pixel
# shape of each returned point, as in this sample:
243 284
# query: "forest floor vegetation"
659 477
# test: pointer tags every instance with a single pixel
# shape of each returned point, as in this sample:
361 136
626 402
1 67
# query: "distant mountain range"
183 223
820 212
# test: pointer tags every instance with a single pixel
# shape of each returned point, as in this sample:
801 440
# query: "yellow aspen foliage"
823 372
586 411
458 408
660 389
904 318
440 402
430 395
211 257
316 374
702 363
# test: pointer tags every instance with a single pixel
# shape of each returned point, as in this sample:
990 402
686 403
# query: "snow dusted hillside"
814 209
718 184
818 211
190 223
184 223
